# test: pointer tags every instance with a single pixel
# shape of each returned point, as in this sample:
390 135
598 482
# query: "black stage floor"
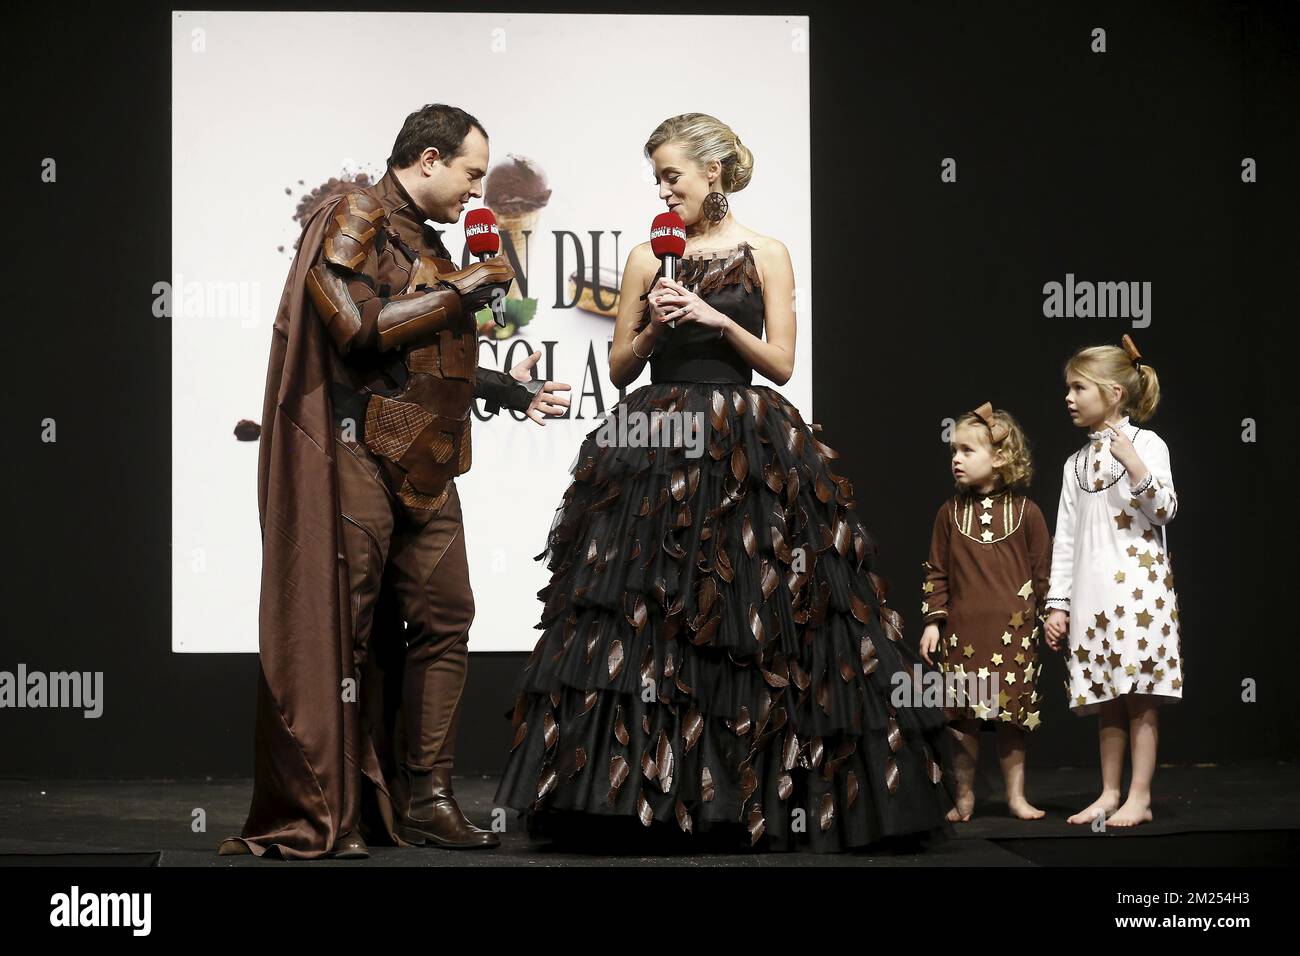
1205 815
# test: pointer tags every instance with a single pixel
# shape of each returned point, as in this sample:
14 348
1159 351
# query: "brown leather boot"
433 818
350 846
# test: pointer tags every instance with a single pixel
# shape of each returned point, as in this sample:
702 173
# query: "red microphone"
483 239
481 233
668 240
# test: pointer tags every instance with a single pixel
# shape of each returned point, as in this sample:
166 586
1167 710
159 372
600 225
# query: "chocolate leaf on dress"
692 727
826 815
683 817
707 788
664 758
615 658
643 809
546 782
620 728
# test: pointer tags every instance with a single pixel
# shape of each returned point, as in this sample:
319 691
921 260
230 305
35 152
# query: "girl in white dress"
1112 585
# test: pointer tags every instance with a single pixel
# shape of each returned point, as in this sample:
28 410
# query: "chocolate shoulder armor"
352 229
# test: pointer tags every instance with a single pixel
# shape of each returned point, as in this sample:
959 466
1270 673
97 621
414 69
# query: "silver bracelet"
638 354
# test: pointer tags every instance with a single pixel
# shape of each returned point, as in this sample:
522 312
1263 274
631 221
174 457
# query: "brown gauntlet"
357 318
479 285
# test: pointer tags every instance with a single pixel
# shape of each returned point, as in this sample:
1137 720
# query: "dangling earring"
714 206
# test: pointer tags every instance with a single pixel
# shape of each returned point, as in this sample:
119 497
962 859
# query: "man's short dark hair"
439 125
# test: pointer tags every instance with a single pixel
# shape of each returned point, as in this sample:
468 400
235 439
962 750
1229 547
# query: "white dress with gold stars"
1111 571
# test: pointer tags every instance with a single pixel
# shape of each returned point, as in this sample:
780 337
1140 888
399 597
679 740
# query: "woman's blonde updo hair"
705 138
1107 365
1018 470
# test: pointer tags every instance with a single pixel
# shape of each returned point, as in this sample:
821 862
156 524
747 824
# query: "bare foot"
1106 804
1133 812
1022 809
962 811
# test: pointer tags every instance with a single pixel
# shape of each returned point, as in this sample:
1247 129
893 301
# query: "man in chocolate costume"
370 387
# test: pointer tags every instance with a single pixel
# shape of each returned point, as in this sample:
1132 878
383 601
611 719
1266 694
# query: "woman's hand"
929 642
1056 628
683 305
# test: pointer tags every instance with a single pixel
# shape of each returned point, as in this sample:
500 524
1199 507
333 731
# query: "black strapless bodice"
693 353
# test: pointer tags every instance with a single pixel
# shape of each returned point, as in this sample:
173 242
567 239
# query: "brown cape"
307 789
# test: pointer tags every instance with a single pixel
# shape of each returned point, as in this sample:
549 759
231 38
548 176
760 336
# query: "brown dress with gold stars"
985 582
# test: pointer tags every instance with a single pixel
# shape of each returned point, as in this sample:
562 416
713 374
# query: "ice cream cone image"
512 229
516 191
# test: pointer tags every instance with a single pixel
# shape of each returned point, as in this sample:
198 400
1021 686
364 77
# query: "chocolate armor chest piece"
422 433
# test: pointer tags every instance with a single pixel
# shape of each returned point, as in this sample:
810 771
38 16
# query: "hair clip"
1131 349
997 430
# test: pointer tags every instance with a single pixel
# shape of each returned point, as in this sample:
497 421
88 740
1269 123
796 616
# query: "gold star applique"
1003 699
927 587
1160 603
952 640
1020 659
1123 521
1169 582
1098 689
982 710
1081 700
986 518
1026 589
968 651
1119 610
1176 683
1017 619
1142 643
1160 513
1119 633
925 606
986 536
1011 677
1082 655
1119 577
1137 594
1097 484
1130 670
997 660
1131 551
1146 560
1159 674
987 502
983 673
1102 621
1134 504
1115 659
1144 619
1006 637
1148 535
1032 720
1025 642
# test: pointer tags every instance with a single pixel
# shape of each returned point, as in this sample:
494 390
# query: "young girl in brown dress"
986 578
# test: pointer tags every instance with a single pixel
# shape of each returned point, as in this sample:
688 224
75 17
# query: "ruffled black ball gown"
716 651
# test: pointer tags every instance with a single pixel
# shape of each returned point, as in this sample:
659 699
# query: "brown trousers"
424 555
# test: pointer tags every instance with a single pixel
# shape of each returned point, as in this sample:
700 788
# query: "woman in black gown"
716 654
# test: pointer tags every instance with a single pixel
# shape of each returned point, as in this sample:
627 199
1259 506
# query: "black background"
928 297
